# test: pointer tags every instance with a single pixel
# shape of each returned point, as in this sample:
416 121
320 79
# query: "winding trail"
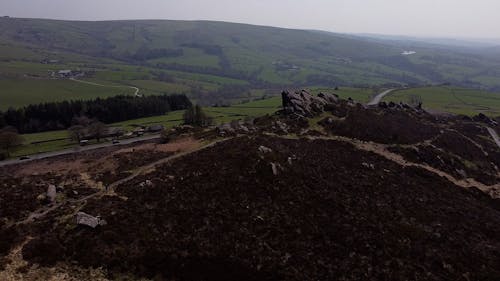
381 150
378 98
494 135
101 85
42 212
151 166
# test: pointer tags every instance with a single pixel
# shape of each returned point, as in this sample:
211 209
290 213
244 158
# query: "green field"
452 100
18 93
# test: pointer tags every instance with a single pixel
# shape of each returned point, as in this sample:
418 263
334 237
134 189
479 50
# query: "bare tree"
195 116
77 132
97 130
415 101
9 138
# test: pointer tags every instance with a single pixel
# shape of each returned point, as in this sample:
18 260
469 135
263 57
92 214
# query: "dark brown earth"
336 206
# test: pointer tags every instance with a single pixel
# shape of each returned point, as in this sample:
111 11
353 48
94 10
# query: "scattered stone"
42 197
282 126
146 183
382 104
369 166
264 150
225 130
244 128
275 167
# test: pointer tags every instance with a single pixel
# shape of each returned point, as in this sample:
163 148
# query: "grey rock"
382 104
51 193
88 220
275 168
264 150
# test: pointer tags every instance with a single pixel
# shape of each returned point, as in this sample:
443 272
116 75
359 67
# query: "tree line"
60 115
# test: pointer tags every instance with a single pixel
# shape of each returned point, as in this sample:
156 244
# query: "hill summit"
324 189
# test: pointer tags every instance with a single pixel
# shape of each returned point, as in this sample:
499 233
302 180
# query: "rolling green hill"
218 62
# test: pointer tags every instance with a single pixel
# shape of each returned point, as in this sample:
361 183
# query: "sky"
430 18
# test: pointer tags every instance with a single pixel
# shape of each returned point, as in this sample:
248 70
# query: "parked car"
24 158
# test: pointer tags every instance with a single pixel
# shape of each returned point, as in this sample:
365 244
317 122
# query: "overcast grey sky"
448 18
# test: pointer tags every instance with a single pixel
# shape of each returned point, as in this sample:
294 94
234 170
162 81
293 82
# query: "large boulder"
305 104
51 193
89 220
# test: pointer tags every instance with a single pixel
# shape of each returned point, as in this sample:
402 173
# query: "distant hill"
263 57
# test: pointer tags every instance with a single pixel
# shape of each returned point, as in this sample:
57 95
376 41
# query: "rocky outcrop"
305 104
484 119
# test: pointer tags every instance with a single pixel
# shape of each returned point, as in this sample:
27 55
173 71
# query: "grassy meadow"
452 100
18 93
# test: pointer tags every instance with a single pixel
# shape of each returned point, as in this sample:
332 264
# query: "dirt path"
101 85
378 98
42 212
151 166
494 135
381 149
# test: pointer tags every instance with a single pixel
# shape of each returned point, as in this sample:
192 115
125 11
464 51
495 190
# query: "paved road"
378 98
77 149
494 135
101 85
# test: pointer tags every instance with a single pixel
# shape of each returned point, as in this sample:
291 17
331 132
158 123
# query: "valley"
206 150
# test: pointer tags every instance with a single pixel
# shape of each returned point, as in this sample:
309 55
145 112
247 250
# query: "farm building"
65 73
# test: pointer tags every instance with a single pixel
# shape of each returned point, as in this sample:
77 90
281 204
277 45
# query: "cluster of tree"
253 77
9 138
206 48
60 115
415 101
195 116
162 76
86 128
405 64
323 79
145 53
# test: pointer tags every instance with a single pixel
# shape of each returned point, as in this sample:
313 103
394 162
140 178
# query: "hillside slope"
341 194
261 55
